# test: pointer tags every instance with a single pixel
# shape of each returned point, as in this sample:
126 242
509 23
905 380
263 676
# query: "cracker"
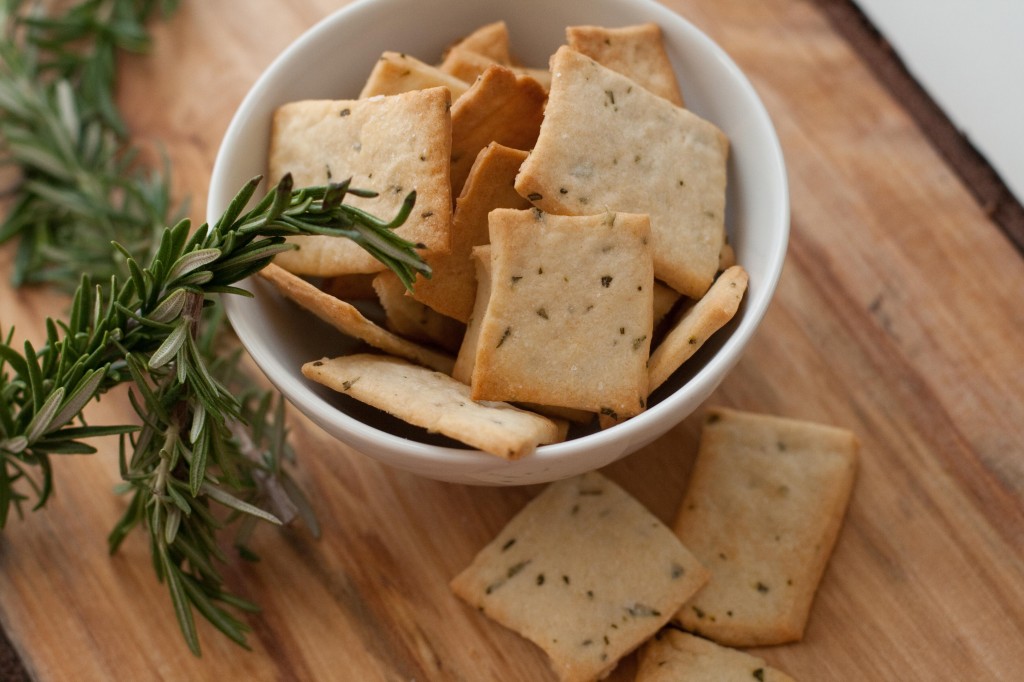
585 572
569 318
698 324
466 359
452 288
435 402
396 72
467 65
665 298
675 656
345 318
607 144
634 51
500 107
350 287
392 145
762 511
413 320
490 40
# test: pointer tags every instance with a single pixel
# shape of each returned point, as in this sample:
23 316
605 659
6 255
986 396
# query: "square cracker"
698 324
607 144
569 319
634 51
762 511
392 145
585 572
436 402
397 72
349 321
675 656
452 288
500 107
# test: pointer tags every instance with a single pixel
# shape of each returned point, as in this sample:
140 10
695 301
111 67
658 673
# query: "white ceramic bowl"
332 60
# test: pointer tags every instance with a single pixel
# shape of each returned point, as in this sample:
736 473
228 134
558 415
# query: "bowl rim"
703 382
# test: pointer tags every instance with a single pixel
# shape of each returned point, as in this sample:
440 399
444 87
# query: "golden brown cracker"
500 107
585 572
345 318
676 656
451 290
392 145
397 72
411 319
634 51
762 511
490 40
569 318
606 144
436 402
698 324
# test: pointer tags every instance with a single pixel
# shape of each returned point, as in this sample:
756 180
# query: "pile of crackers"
573 219
589 575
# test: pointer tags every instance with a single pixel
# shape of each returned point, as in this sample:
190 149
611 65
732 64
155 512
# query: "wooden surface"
898 316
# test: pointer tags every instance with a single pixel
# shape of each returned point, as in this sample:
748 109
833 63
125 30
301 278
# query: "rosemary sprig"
191 451
78 184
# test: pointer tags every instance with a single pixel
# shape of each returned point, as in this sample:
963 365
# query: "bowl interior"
332 60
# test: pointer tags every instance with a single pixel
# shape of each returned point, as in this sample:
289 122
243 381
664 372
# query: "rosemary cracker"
452 288
585 572
607 144
705 317
393 144
762 511
675 656
436 402
634 51
665 298
396 72
411 319
345 318
466 359
569 318
500 107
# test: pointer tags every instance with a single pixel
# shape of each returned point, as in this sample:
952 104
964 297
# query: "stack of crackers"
573 218
589 575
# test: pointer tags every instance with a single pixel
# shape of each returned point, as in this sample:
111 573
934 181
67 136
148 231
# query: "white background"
969 56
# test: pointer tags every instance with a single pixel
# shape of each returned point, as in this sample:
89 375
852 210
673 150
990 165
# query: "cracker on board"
436 402
391 145
762 510
345 318
500 107
634 51
585 572
467 65
675 656
705 317
397 72
411 319
490 40
569 319
606 144
452 288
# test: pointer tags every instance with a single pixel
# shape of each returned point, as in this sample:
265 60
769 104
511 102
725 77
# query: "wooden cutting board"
898 316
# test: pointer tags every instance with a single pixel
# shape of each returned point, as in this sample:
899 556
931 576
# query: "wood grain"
898 316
